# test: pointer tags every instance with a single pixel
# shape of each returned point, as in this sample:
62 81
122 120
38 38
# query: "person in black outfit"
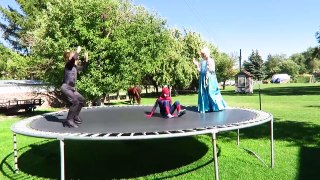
68 87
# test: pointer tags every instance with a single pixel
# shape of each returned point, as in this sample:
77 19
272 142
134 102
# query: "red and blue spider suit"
165 104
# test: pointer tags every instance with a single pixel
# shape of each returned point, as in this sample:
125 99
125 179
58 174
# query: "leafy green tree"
225 67
312 59
153 45
192 44
5 55
181 72
124 42
273 64
289 67
18 23
14 65
255 65
317 52
174 68
127 45
308 61
300 60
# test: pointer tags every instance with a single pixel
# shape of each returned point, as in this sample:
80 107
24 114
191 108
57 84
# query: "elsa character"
209 96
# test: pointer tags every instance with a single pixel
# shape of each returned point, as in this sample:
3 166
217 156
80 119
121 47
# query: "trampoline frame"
23 128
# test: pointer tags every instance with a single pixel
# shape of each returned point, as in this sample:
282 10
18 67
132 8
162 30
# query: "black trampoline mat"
131 119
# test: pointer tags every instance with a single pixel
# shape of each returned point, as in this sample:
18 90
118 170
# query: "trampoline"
130 123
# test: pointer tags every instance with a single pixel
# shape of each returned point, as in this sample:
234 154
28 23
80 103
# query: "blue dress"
209 96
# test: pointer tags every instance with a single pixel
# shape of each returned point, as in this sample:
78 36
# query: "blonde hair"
66 55
206 51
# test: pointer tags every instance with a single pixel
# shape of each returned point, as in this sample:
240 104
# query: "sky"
269 26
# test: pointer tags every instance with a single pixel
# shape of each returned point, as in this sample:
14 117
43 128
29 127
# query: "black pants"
75 98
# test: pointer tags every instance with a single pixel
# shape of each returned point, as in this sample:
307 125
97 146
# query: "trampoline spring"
101 135
138 134
126 134
76 134
84 134
113 134
174 132
95 135
221 126
163 132
189 130
197 129
235 124
150 133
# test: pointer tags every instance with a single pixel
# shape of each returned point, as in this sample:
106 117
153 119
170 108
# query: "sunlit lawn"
295 108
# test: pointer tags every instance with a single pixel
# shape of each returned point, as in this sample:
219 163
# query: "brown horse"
134 94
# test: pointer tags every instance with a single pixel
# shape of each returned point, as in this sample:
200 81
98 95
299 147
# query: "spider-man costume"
166 109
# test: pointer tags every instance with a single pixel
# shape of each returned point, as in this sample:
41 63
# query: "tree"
255 65
289 67
18 23
14 65
273 64
174 69
318 36
300 60
5 56
181 71
308 61
225 67
127 45
192 44
312 59
124 42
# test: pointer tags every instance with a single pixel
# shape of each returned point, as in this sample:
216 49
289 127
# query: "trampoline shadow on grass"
309 163
112 159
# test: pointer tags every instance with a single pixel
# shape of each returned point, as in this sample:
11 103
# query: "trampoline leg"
62 158
215 157
15 153
238 141
272 145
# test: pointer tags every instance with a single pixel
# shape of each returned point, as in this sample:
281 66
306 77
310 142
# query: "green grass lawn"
296 111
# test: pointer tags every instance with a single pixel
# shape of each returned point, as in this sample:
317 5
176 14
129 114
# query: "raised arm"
85 63
78 49
86 57
196 63
211 65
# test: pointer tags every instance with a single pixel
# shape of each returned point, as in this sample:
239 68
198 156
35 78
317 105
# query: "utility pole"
240 61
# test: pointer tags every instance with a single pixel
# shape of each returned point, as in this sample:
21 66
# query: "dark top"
71 70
